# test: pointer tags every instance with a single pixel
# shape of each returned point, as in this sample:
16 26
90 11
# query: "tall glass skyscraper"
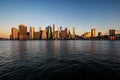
49 32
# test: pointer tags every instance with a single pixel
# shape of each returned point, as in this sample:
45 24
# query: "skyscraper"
39 28
49 32
53 28
60 31
37 35
112 34
31 34
53 32
43 34
23 32
60 28
93 32
73 31
56 34
14 35
99 34
64 34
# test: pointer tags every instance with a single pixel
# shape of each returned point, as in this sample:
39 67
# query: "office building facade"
14 35
73 31
49 32
43 34
23 32
31 33
93 32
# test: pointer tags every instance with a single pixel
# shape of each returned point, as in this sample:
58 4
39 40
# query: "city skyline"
82 14
51 33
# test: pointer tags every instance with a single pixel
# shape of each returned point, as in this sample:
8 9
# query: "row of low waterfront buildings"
112 34
49 33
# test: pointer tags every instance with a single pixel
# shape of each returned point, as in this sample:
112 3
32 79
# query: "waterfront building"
23 32
28 35
10 36
93 32
63 34
70 36
49 32
86 35
99 34
43 34
73 31
56 34
40 30
53 31
32 31
53 28
37 35
14 35
112 34
117 36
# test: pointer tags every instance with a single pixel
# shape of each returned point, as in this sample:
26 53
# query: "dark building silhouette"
99 34
112 34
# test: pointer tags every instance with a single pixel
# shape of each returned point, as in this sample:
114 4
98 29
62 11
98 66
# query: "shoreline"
65 40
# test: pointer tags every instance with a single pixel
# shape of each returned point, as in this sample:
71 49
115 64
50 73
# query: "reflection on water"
59 60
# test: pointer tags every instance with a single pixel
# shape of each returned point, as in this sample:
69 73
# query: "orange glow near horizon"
4 34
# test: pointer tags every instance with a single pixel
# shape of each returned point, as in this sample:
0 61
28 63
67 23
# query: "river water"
60 60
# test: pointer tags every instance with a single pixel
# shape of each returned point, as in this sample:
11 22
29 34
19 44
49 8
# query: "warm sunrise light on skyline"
83 14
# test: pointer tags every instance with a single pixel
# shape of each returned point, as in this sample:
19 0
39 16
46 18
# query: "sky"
82 14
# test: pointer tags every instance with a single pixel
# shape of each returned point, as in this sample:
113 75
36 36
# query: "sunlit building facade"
31 33
43 34
23 32
56 34
93 32
14 35
86 35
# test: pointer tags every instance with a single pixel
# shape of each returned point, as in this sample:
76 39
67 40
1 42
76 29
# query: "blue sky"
83 14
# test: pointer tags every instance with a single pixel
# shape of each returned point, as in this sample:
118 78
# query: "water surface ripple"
60 60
